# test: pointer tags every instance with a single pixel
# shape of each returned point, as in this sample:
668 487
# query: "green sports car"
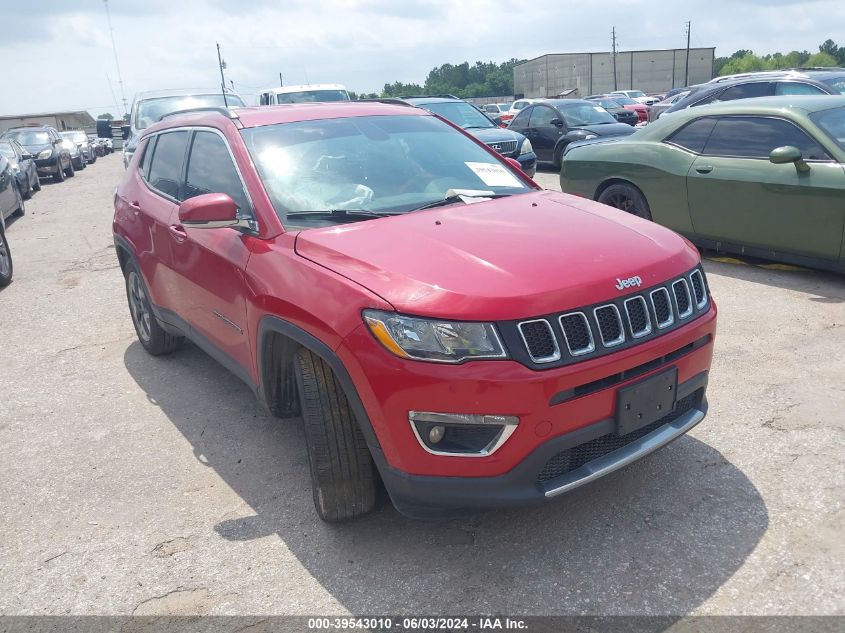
764 177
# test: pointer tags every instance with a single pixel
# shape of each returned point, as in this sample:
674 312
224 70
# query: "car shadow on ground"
659 537
824 287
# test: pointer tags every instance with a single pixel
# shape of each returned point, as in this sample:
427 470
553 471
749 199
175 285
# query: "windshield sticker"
598 109
494 175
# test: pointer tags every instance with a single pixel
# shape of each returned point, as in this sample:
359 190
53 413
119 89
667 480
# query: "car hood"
608 129
502 259
495 134
35 149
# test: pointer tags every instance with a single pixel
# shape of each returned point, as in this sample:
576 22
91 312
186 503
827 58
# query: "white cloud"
361 43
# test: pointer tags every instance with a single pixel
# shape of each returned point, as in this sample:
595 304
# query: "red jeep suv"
442 325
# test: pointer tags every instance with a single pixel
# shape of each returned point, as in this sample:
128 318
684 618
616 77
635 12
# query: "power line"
116 62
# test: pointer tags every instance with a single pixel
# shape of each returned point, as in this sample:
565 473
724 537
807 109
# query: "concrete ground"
133 484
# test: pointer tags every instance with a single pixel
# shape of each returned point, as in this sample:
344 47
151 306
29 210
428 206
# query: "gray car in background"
149 107
83 143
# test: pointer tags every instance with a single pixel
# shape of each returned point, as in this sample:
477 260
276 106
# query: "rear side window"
165 171
746 91
521 119
147 157
796 88
756 137
541 116
211 170
693 136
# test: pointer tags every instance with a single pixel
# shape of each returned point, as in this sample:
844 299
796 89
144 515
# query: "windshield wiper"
453 196
341 213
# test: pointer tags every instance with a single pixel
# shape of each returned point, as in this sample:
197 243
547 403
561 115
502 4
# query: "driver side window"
211 170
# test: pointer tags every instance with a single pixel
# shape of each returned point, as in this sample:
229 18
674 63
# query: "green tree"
744 61
106 115
822 59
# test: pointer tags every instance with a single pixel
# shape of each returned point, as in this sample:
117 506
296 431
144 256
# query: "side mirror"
497 120
26 156
557 122
789 154
210 211
513 163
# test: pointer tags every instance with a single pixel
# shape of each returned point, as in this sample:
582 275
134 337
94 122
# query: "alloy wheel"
139 306
5 260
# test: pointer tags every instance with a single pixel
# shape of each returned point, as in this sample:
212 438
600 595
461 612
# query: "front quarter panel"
659 170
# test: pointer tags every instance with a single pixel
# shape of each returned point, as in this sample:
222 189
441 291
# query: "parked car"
519 104
619 112
108 145
640 109
149 107
654 111
85 148
637 95
11 199
833 76
439 322
23 166
76 157
552 124
52 157
467 117
751 87
501 110
764 177
303 93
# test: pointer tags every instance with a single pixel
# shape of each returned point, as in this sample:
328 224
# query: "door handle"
135 206
177 233
704 169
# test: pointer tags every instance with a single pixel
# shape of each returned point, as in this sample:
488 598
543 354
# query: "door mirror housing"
211 211
513 163
26 156
789 154
556 122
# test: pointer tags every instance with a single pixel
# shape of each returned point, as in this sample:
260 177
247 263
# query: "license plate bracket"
647 401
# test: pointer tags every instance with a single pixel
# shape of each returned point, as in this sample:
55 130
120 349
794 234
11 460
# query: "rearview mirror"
211 211
788 154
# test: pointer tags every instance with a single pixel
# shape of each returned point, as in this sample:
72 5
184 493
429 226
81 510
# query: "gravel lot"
144 485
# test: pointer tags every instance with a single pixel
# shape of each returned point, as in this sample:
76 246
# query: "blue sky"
59 51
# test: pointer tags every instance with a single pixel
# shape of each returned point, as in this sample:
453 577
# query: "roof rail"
443 96
219 109
388 100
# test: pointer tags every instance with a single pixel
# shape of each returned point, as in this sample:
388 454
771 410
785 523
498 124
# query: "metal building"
582 74
71 120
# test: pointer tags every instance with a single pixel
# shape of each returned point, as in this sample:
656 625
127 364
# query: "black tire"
59 176
27 193
37 185
21 211
6 268
71 170
150 334
558 156
626 197
344 480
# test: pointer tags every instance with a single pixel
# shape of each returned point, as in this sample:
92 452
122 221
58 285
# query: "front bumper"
528 162
47 166
422 497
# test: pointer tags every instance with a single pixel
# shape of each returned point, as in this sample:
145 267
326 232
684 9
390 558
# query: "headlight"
589 136
526 147
432 340
45 153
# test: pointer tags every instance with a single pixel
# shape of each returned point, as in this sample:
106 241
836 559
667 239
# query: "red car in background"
439 322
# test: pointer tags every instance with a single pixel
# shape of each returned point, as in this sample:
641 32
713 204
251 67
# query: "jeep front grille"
554 340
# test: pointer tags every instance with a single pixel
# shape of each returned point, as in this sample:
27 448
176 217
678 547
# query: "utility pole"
116 63
613 34
686 69
222 65
281 83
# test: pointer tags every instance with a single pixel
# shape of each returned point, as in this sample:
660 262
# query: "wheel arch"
615 181
277 344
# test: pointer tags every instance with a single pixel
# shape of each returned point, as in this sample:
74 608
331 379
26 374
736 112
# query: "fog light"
436 434
461 434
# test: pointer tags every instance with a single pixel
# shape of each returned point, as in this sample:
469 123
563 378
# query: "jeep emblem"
621 284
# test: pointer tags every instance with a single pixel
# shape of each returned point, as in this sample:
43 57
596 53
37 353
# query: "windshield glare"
151 110
378 164
460 113
624 101
312 96
585 114
832 122
30 137
79 137
837 83
7 151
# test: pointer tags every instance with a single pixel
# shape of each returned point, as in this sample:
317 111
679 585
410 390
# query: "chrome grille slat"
683 300
657 306
569 323
644 329
537 346
609 322
698 288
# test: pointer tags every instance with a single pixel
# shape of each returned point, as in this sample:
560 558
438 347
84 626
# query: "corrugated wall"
592 73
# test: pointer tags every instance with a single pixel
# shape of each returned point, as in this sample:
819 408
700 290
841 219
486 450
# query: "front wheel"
21 205
59 176
343 476
71 171
5 261
626 197
151 335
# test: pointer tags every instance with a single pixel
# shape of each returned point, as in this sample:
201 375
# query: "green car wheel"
627 198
